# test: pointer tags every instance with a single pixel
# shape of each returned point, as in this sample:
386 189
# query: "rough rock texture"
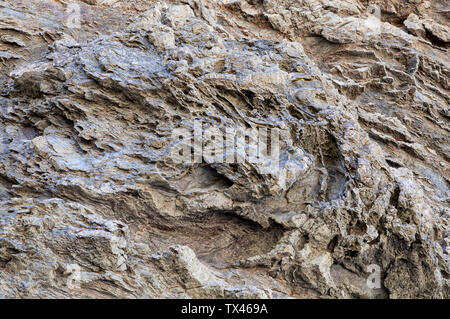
93 205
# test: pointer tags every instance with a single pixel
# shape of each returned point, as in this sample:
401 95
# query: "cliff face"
94 203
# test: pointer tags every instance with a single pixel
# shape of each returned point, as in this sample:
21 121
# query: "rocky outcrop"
95 203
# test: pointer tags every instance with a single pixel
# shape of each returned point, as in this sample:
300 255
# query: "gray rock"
95 200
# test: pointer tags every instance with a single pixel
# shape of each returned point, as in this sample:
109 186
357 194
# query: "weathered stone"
95 201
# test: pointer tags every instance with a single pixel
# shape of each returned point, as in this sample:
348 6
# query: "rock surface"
93 205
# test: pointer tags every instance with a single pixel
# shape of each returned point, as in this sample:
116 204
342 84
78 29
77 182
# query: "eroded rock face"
93 204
